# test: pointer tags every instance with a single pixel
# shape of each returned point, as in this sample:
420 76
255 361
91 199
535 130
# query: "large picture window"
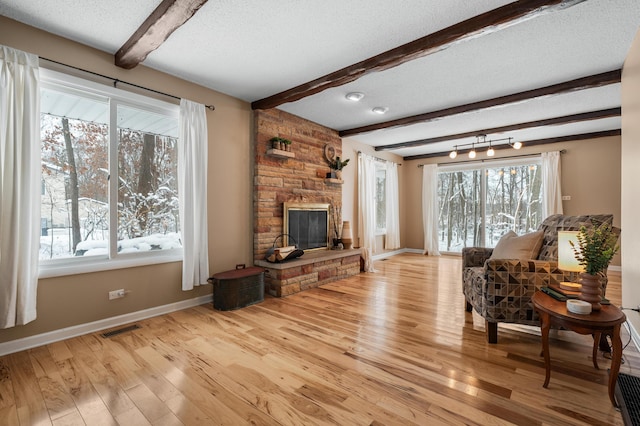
109 175
479 203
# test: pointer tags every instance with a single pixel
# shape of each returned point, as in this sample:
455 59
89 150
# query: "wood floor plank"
90 405
30 403
394 347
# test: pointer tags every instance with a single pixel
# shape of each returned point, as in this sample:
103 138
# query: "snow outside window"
109 173
479 203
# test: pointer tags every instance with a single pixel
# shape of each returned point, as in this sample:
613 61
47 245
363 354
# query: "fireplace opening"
307 224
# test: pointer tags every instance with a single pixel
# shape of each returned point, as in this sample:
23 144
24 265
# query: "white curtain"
551 191
392 239
430 208
192 189
367 209
19 185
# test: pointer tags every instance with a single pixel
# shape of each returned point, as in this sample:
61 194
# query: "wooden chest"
238 288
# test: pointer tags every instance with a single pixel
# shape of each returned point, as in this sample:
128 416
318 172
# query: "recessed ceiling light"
380 110
354 96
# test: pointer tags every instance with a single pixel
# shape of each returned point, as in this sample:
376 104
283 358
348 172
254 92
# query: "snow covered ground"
57 244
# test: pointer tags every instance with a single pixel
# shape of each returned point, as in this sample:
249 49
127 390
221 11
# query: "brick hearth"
311 270
301 179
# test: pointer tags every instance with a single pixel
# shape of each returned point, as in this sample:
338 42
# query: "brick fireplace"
298 177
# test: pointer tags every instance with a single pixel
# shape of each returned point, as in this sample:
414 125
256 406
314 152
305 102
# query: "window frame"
78 86
482 166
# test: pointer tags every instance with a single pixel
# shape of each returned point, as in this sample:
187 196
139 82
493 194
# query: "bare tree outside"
511 202
75 180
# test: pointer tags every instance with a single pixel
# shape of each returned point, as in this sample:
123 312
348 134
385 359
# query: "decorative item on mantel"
281 144
347 236
280 147
335 163
594 250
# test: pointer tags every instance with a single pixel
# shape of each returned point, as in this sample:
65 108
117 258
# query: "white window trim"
81 265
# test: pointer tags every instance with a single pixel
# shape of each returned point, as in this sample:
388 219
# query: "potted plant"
595 248
337 165
280 143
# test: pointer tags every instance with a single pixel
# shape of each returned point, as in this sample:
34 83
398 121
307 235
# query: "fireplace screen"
307 224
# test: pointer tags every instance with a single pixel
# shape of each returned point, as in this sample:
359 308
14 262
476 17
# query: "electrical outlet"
566 198
116 294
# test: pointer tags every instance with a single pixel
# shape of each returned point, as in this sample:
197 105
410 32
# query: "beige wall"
590 175
350 148
76 299
631 182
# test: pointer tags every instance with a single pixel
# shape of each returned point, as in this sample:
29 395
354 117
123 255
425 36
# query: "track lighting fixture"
481 140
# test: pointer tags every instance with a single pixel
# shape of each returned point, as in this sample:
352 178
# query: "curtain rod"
380 159
562 151
116 81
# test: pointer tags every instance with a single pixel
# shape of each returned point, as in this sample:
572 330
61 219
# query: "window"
479 203
109 177
381 199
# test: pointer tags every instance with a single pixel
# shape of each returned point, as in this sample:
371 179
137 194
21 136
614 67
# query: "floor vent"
628 396
120 331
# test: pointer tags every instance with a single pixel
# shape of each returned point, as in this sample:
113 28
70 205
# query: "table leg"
616 359
545 325
596 343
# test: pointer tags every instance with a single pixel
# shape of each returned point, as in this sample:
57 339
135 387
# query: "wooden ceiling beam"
579 137
163 21
589 82
481 25
567 119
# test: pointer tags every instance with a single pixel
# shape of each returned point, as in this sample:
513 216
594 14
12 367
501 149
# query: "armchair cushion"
512 246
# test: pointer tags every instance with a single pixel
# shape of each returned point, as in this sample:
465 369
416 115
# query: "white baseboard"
386 254
412 250
91 327
635 335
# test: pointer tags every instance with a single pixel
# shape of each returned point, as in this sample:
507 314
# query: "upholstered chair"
500 290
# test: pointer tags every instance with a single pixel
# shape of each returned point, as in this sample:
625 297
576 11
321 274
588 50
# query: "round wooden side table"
554 313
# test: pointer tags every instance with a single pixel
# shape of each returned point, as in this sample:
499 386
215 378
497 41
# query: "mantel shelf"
280 153
334 181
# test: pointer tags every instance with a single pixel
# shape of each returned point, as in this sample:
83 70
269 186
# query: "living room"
598 174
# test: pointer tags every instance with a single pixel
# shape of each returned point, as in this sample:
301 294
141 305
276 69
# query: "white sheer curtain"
392 239
19 185
367 208
430 208
551 191
192 189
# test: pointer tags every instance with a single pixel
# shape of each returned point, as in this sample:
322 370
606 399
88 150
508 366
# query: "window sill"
84 266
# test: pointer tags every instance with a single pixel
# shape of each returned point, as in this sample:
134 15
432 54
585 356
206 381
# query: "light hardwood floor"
393 347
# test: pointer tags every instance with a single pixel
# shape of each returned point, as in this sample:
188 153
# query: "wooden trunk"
238 288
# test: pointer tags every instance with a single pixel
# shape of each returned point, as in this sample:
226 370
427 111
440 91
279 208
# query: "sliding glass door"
478 203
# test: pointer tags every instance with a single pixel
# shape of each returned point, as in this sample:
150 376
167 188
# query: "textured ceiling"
252 50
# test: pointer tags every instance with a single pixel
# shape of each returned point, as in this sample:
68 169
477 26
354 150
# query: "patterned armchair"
500 290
